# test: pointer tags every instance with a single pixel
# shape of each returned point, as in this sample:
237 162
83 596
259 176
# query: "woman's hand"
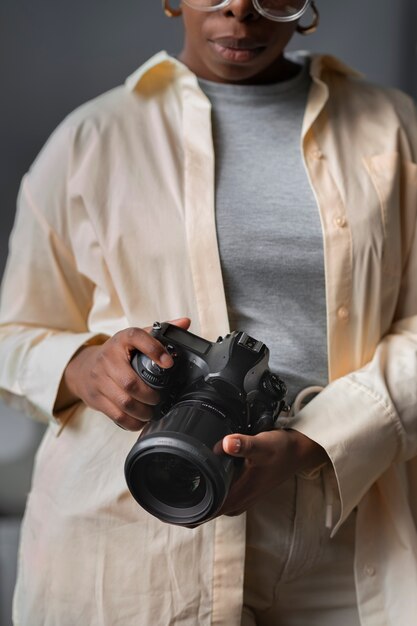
270 458
103 378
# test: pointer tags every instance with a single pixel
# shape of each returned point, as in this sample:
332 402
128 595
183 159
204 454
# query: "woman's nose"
242 10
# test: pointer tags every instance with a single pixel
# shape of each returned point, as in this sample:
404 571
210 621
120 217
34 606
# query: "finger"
139 339
238 501
127 381
182 322
239 494
121 419
239 445
126 404
262 448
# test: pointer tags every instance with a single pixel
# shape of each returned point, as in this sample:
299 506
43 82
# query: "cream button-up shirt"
116 228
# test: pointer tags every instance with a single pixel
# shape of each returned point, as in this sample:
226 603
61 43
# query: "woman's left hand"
270 458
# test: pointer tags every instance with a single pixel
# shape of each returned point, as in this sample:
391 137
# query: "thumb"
182 322
239 445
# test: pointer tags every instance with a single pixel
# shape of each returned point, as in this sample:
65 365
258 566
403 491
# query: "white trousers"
295 574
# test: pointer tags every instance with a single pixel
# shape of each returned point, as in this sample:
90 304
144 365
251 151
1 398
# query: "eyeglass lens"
274 8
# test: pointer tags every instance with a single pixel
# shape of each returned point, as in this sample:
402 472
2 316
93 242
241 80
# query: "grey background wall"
55 55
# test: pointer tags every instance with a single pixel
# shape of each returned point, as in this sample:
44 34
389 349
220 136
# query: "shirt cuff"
43 371
359 433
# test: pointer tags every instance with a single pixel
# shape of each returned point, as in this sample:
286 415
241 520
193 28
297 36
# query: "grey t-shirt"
268 225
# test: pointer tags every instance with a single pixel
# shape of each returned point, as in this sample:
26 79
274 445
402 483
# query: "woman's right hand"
103 378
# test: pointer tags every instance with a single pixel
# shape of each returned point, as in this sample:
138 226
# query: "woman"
185 193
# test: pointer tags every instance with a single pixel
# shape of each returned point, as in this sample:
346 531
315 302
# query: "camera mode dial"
273 386
150 372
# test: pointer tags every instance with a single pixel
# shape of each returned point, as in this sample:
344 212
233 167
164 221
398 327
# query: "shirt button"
343 313
317 154
370 570
340 221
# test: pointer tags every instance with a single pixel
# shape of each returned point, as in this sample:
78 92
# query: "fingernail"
236 446
166 360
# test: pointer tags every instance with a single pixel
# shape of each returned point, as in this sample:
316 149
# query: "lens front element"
177 482
171 485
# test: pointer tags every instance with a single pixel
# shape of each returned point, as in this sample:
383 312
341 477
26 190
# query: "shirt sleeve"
45 299
367 420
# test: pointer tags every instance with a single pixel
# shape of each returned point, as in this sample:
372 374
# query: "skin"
101 376
238 26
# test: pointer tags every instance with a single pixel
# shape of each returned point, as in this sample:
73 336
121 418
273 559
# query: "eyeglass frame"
258 8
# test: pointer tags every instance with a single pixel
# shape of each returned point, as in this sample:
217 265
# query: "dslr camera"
177 469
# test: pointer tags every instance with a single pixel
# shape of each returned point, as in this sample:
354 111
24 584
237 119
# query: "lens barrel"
177 469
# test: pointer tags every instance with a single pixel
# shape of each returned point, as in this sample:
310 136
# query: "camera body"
177 469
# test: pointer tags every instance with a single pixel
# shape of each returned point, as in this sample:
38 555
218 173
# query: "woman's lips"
237 50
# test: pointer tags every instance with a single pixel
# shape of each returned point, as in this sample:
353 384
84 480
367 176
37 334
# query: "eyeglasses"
276 10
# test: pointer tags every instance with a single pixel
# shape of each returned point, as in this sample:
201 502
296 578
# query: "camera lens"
177 482
175 470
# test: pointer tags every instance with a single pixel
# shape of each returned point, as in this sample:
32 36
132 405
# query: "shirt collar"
320 68
163 67
159 68
320 63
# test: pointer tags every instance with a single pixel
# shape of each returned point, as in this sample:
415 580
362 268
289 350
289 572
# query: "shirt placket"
200 216
337 238
199 193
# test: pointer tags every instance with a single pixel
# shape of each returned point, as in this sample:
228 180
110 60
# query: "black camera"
177 469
